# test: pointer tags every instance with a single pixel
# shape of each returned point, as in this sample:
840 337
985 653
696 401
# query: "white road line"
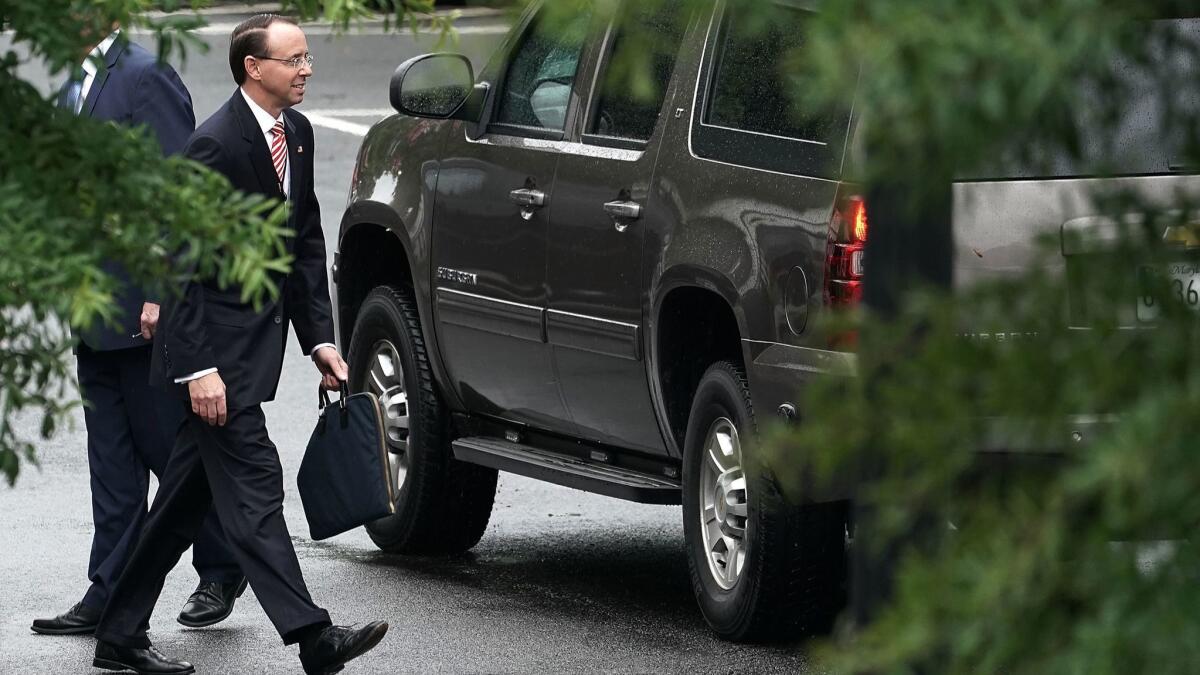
337 125
352 112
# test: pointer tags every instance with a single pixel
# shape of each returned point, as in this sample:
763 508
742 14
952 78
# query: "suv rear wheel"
761 568
442 505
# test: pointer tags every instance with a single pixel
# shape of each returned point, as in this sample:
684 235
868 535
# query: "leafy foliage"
414 14
1032 431
1028 579
944 90
75 192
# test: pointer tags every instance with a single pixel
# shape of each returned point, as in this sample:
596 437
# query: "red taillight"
844 253
858 219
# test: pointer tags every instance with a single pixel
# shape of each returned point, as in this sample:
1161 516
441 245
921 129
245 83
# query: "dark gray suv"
540 272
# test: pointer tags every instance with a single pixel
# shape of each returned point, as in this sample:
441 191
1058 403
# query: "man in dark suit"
131 426
223 358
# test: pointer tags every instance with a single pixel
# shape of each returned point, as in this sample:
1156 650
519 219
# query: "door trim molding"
491 315
593 334
535 324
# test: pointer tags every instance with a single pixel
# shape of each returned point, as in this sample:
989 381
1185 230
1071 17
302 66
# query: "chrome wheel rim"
385 379
723 503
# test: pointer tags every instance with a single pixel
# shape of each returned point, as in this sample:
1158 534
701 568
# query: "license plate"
1183 283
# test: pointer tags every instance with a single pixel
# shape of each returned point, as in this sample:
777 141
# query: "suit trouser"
234 469
131 428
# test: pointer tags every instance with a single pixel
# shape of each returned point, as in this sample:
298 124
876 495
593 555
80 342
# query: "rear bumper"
1008 437
779 374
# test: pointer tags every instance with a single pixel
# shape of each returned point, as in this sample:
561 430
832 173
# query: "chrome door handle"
624 209
528 197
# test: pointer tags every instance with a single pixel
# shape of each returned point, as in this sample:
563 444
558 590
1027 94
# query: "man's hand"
149 319
333 369
208 398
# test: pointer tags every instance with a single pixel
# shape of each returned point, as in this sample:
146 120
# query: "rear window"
750 84
752 113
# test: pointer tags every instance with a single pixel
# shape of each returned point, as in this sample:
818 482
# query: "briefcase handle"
323 396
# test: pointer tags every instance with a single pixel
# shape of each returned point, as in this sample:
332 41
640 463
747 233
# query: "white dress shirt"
90 68
266 123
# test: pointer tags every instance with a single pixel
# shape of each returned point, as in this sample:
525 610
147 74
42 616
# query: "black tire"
793 578
444 504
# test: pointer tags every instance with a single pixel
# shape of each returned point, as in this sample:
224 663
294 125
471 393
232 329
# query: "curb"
247 9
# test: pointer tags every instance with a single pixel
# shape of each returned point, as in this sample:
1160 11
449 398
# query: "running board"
598 477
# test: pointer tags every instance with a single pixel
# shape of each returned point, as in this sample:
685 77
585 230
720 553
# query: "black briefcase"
344 480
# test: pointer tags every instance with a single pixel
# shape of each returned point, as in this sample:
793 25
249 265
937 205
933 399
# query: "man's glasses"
293 63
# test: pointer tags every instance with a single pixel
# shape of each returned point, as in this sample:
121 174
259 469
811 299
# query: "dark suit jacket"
208 327
135 89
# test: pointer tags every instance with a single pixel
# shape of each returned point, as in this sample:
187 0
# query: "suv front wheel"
442 505
761 568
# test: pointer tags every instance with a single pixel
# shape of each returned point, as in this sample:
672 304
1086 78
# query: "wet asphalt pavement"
562 581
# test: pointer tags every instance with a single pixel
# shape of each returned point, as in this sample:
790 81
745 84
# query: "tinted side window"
538 84
638 70
750 88
751 112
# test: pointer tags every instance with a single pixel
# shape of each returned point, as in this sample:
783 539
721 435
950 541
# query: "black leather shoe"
212 603
79 620
147 661
336 645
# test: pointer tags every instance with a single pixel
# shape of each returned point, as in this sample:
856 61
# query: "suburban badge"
457 276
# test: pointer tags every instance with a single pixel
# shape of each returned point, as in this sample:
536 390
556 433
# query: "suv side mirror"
438 86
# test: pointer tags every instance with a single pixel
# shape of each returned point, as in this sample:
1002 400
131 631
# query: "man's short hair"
250 39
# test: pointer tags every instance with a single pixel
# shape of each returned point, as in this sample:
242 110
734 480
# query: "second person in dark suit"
223 358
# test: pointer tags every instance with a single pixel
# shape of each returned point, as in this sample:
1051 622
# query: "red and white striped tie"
279 150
